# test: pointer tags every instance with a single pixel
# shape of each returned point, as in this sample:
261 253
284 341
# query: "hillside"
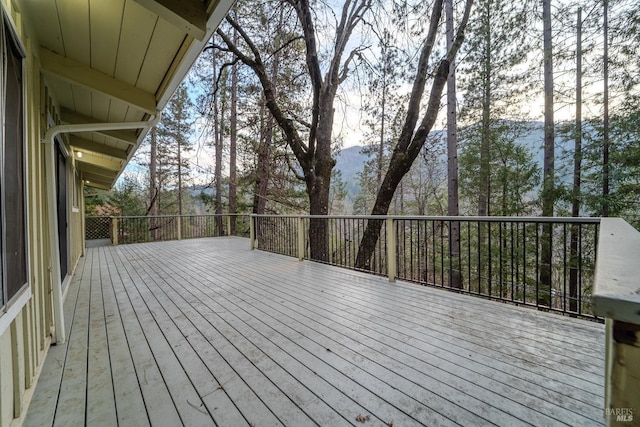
350 161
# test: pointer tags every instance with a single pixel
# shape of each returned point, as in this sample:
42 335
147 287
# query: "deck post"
252 231
391 249
300 239
179 227
114 231
228 225
615 297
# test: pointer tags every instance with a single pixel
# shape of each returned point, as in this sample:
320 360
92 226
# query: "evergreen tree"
173 144
513 175
495 90
128 197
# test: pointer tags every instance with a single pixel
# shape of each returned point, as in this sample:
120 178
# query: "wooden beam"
97 179
92 159
99 185
188 15
106 174
83 75
88 145
71 117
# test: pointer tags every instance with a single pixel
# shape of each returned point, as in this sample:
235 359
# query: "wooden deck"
207 332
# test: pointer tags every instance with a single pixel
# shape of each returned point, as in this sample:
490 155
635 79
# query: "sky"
348 125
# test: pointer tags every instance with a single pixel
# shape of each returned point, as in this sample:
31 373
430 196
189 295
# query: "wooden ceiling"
111 61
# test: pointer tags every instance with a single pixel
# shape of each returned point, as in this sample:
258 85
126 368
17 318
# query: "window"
13 270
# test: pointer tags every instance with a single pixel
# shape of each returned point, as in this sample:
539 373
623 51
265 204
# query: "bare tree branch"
303 9
345 67
295 141
413 109
286 44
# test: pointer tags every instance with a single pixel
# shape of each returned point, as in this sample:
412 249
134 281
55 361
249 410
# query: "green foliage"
624 167
128 196
513 174
490 72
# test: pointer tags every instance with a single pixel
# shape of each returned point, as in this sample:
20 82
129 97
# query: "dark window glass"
13 179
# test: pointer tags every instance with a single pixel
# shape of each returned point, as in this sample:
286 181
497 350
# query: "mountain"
350 161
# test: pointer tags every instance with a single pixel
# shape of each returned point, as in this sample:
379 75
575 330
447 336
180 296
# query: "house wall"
76 224
26 334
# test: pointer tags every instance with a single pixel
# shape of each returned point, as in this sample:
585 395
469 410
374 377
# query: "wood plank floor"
206 332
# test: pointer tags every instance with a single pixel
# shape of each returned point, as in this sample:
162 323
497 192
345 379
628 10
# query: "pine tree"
495 91
173 143
233 141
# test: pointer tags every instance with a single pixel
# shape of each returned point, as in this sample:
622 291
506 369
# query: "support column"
114 231
623 374
615 297
300 238
391 250
252 231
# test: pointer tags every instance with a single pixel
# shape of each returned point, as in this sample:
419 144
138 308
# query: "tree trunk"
179 176
267 127
153 183
605 118
318 182
485 133
412 138
233 140
548 196
383 117
319 227
263 164
577 172
452 160
218 128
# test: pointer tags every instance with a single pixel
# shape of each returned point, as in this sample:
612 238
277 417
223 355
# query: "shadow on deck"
207 332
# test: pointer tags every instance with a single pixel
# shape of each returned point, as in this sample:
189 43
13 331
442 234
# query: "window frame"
11 306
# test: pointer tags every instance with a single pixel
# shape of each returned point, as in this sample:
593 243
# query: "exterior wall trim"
15 308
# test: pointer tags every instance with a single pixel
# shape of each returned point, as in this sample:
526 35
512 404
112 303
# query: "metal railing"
282 234
140 229
278 234
541 262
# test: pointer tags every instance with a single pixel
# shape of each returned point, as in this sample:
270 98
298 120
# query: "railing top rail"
536 219
571 220
168 216
616 292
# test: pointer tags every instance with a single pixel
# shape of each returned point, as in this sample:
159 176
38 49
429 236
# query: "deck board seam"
178 294
390 321
142 297
240 289
277 345
148 345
